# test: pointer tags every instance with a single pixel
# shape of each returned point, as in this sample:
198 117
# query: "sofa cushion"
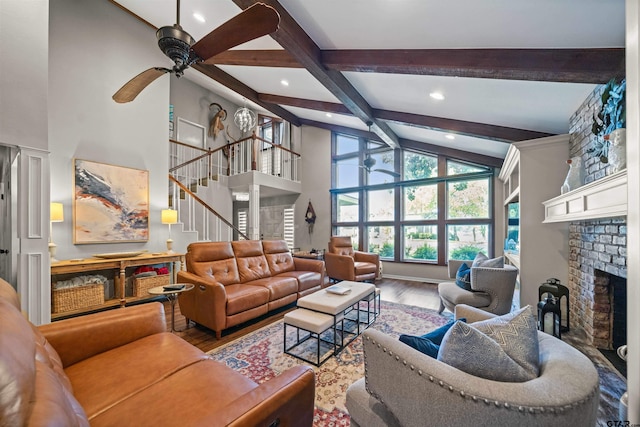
364 268
188 396
456 295
242 297
223 271
463 277
252 264
504 348
481 260
280 262
129 369
429 343
306 279
278 286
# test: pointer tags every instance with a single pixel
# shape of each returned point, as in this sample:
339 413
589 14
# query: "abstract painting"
111 203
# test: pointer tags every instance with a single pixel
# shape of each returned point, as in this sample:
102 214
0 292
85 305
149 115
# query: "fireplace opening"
613 310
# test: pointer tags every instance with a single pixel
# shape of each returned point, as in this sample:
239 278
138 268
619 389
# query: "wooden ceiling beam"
595 66
277 58
409 144
473 129
298 43
440 124
240 88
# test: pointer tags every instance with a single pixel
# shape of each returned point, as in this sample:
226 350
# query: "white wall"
316 182
191 102
24 27
94 49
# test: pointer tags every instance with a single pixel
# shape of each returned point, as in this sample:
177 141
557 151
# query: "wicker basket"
142 284
69 299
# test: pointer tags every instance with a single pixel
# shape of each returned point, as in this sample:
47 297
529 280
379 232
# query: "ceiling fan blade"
133 87
255 21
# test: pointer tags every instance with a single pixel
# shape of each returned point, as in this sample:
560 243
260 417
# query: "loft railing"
252 153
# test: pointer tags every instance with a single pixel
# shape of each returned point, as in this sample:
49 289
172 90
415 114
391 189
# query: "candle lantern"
550 319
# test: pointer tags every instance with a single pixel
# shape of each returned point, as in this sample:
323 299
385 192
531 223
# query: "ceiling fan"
370 162
255 21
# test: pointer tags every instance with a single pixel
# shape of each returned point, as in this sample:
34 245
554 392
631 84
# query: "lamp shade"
56 212
169 216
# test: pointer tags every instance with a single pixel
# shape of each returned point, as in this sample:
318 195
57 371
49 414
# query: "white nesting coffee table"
323 315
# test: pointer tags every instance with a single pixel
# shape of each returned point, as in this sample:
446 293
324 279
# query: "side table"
171 292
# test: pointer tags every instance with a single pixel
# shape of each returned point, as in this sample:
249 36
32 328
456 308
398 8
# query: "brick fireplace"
597 250
597 265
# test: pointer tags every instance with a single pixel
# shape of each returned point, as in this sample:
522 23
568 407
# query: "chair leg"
441 309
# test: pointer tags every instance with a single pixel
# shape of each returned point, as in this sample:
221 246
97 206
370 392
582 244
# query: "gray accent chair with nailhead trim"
403 387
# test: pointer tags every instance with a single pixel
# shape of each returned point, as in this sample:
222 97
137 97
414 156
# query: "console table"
119 265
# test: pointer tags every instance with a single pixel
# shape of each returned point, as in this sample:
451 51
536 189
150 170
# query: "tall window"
409 206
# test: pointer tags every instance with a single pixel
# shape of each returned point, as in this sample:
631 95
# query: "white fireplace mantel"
604 198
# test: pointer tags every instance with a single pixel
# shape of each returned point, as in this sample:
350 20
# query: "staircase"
200 179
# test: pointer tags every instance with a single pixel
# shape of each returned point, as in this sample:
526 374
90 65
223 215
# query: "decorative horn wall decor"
215 126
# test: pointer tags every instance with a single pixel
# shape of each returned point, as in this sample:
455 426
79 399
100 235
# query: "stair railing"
191 217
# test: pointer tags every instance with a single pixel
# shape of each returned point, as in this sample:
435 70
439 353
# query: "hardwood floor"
401 291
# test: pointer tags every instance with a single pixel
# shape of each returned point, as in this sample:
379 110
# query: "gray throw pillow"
504 348
481 260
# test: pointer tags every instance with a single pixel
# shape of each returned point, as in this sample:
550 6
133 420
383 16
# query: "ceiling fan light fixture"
369 162
175 43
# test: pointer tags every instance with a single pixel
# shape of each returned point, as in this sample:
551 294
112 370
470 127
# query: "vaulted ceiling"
509 70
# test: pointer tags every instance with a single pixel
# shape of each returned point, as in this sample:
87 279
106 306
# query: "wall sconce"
169 216
56 214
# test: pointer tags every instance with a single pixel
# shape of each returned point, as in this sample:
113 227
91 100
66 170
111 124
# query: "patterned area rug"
259 356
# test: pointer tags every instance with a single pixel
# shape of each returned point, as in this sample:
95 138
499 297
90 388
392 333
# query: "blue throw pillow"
463 277
429 343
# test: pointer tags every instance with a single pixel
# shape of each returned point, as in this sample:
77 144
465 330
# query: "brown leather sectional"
241 280
120 367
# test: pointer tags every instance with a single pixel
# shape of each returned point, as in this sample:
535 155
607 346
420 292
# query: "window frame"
398 223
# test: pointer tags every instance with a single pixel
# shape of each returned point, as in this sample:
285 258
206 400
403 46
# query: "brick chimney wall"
596 247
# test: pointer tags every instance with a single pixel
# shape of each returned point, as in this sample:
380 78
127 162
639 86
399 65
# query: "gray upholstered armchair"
492 288
403 387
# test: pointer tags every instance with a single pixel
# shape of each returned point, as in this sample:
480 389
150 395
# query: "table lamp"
169 216
56 214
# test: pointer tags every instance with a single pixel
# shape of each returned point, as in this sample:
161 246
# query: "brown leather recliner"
345 263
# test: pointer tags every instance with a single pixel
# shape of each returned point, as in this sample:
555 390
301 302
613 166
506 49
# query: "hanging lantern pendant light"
244 118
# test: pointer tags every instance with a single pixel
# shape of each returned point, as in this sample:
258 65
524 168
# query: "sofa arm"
472 314
304 264
82 337
340 266
206 303
289 398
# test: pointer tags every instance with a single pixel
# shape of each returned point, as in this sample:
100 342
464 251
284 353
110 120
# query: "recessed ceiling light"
284 82
329 115
449 136
199 17
437 95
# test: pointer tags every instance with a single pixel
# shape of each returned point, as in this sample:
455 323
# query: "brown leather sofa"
344 263
120 367
241 280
